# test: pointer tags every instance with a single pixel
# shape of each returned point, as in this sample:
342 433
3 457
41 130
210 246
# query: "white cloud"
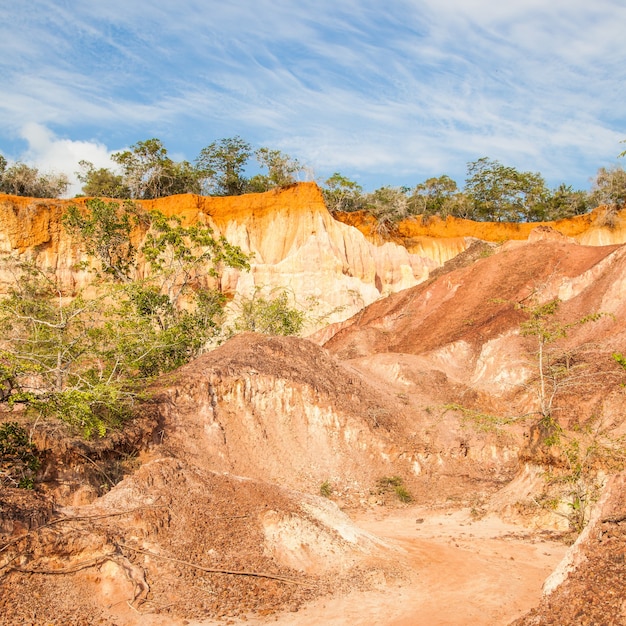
51 154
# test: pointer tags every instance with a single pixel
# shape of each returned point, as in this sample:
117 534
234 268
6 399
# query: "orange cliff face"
333 267
442 239
329 267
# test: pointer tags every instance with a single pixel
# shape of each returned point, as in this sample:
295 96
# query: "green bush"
19 459
326 489
394 484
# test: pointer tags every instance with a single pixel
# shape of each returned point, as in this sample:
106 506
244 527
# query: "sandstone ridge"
295 244
340 264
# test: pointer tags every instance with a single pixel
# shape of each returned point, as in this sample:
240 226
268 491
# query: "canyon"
260 482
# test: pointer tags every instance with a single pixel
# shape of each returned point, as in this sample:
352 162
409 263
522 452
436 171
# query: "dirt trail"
484 572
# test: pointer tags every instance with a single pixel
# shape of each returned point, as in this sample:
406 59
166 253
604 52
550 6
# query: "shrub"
394 484
19 460
326 489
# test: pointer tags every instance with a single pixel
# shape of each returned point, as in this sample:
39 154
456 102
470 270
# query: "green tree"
560 203
342 194
86 360
222 164
282 170
273 315
440 196
431 195
501 193
105 228
101 182
148 172
52 349
181 255
554 371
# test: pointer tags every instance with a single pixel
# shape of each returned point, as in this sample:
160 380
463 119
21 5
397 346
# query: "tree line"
492 191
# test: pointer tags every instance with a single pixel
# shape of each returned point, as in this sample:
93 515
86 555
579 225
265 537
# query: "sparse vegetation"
555 371
395 485
581 455
270 315
579 452
575 455
19 459
326 489
481 421
20 179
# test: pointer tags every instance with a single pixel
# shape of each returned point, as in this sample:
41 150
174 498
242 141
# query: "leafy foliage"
270 316
53 350
222 164
583 450
492 192
342 194
105 230
282 171
554 372
438 196
86 361
502 193
19 460
149 173
102 182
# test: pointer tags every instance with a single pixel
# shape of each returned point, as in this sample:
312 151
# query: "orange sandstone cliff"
340 264
295 243
441 239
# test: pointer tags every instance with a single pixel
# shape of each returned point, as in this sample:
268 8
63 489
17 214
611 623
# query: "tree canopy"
222 164
20 179
492 192
231 166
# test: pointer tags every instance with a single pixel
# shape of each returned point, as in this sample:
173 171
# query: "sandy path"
484 573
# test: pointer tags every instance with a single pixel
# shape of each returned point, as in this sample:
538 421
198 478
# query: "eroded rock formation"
219 516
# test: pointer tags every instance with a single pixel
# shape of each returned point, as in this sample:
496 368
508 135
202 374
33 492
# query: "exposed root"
62 570
67 519
211 570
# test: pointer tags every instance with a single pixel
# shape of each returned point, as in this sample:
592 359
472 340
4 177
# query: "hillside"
334 266
212 505
294 241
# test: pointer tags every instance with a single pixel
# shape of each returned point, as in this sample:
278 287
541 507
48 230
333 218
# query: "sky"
385 93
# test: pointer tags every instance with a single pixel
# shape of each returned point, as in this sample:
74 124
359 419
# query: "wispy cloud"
396 94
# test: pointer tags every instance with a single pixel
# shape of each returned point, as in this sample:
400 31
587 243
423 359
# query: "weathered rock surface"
239 441
334 267
295 243
588 586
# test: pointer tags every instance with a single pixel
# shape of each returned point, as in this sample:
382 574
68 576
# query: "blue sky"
385 93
